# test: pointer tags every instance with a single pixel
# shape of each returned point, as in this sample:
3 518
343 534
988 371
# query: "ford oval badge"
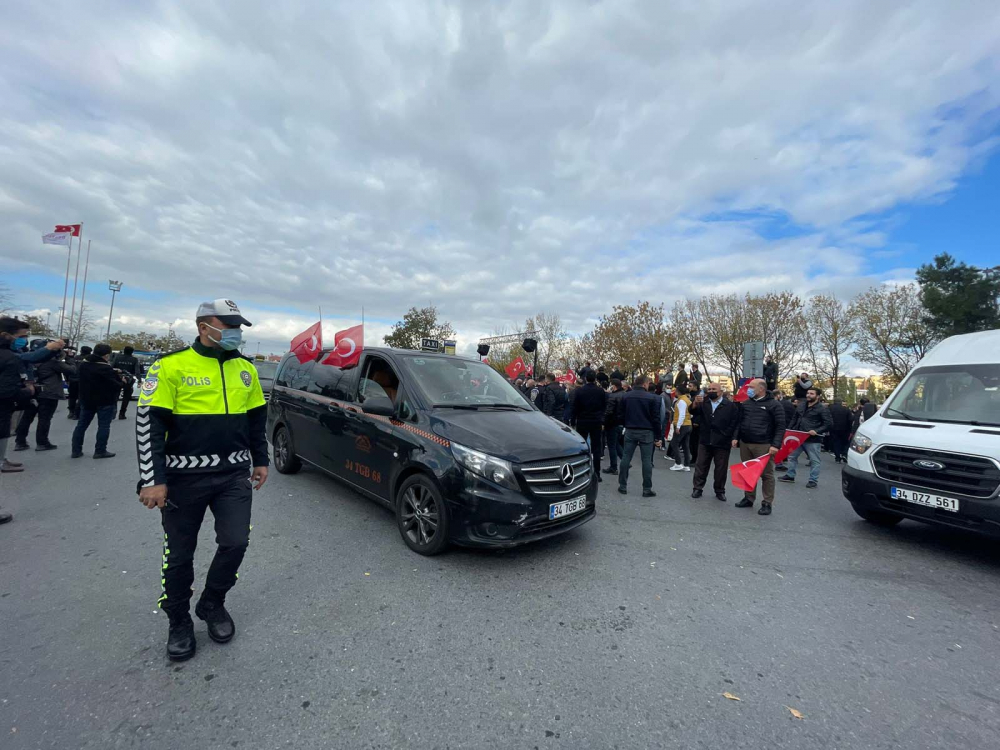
923 463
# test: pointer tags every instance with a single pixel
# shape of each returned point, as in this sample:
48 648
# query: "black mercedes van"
445 442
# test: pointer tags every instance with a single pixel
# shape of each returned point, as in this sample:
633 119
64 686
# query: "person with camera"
99 389
48 392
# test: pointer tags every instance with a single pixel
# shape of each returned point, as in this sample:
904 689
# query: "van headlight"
860 443
486 466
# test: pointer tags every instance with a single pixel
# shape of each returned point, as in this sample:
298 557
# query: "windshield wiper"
506 406
903 414
471 407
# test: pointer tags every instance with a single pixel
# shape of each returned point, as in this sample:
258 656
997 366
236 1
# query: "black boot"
746 502
181 643
221 627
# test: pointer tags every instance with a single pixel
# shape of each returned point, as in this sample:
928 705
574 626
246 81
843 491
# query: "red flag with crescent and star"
347 347
73 229
307 344
741 394
792 440
515 368
746 475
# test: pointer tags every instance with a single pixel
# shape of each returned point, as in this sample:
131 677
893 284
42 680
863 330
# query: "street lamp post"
115 287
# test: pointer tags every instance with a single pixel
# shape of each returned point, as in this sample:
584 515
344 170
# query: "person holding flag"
814 418
761 428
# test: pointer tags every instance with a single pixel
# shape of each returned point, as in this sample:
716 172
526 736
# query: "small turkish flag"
347 347
73 229
746 475
569 377
307 344
741 394
792 440
515 368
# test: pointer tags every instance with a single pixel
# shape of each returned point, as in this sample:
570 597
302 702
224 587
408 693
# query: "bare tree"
727 327
890 330
831 335
777 319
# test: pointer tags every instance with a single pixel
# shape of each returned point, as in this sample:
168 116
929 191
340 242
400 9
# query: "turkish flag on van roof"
307 344
347 347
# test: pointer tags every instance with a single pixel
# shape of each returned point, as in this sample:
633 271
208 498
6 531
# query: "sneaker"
11 467
46 447
786 479
687 468
648 493
811 485
104 454
21 446
765 509
5 518
677 467
612 470
781 467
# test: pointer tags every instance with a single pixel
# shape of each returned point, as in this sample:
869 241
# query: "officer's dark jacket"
200 410
126 363
99 384
762 420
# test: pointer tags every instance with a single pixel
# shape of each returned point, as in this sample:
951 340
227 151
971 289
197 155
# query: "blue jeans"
811 447
643 440
104 416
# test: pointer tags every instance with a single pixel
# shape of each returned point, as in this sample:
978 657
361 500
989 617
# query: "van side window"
298 377
331 382
377 379
285 371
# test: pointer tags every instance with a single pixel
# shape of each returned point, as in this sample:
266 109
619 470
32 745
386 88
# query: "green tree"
418 324
959 298
638 336
38 326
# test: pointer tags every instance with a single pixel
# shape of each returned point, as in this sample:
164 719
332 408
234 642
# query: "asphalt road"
622 634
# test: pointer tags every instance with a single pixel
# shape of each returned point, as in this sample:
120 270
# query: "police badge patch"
149 385
245 377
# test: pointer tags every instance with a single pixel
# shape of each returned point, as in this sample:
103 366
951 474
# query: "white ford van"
932 452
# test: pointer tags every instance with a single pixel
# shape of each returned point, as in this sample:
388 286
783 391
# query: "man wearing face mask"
813 417
719 420
761 428
200 434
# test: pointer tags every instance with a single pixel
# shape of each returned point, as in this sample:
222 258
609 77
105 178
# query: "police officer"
200 434
130 365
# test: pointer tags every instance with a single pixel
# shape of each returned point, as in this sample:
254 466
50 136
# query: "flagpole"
76 277
362 325
83 295
69 255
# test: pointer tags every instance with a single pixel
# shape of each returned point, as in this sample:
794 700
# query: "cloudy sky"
493 159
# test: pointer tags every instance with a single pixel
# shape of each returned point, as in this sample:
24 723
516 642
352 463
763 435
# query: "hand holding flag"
792 440
746 475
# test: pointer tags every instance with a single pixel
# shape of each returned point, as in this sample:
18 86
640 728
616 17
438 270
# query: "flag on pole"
347 347
792 440
515 368
57 238
746 475
73 229
307 344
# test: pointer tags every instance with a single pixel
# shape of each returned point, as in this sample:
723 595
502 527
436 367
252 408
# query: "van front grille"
546 479
973 476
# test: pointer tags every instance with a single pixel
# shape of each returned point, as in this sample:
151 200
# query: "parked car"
265 373
445 442
932 452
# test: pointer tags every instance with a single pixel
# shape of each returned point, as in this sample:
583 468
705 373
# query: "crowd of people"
34 379
698 424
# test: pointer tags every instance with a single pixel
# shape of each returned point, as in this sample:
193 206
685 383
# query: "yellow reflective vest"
201 410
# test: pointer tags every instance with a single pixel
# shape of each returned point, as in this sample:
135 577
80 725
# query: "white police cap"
225 310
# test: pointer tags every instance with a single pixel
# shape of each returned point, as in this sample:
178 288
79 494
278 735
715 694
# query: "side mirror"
379 406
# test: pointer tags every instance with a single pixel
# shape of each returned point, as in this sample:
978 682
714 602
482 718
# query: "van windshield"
967 394
460 383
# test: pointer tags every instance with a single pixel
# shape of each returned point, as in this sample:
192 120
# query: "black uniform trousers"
44 411
73 391
188 497
706 455
127 392
594 432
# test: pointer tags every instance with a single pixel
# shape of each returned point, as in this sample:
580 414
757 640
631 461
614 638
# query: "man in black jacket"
99 389
587 413
602 377
127 364
551 399
771 374
802 385
719 419
812 417
612 427
841 430
761 428
695 376
48 392
639 413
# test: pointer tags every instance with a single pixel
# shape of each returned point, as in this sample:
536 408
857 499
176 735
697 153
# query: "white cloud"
494 160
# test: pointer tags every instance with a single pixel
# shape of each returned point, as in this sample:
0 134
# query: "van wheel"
421 516
285 460
878 517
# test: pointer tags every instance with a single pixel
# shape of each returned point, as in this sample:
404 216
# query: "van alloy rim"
419 515
282 448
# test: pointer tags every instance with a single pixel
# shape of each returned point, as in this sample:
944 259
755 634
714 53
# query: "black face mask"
713 396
